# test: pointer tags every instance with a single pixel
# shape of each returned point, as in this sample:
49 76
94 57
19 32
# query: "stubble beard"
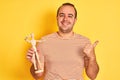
66 31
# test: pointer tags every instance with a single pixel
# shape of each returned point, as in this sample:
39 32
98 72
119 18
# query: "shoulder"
45 39
52 35
48 37
82 37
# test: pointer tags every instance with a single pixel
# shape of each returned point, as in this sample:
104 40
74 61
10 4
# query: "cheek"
73 21
60 18
59 22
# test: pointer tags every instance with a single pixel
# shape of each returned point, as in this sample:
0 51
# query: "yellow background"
97 19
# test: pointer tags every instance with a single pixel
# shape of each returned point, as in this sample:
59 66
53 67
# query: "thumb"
95 43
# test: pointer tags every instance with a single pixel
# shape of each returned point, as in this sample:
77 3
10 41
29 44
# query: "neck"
66 35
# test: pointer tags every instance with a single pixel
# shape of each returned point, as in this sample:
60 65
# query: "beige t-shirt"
63 58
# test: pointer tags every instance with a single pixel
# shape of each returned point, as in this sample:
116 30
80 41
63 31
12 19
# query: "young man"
64 54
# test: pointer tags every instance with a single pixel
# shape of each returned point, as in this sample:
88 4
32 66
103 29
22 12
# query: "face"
66 19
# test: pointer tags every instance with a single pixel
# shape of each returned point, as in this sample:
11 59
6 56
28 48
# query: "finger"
29 54
30 51
95 43
29 57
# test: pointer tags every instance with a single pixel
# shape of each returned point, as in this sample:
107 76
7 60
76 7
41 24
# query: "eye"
70 16
61 15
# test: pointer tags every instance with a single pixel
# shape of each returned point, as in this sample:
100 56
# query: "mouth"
65 23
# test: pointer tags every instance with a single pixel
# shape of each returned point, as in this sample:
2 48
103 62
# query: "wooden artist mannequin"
35 56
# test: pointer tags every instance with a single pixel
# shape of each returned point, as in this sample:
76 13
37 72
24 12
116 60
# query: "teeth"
65 23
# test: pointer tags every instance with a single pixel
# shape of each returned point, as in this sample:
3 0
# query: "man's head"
68 4
66 17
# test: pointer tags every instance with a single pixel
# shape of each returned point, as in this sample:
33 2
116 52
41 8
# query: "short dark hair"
68 4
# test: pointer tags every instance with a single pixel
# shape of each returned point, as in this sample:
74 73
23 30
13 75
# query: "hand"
89 50
30 56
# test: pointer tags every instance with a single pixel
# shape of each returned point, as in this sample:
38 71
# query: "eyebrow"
68 14
61 13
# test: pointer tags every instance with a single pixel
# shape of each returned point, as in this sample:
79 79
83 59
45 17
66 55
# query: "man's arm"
91 66
35 75
32 60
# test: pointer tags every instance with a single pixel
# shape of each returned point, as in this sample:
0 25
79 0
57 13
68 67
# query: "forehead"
67 9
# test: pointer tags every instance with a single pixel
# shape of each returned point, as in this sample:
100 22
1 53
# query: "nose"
65 18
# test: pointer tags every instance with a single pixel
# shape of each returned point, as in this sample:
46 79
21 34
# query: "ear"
56 16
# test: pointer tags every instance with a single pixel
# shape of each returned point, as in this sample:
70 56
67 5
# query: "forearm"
35 75
92 68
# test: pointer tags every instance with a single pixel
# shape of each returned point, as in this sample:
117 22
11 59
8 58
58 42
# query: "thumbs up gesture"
89 50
